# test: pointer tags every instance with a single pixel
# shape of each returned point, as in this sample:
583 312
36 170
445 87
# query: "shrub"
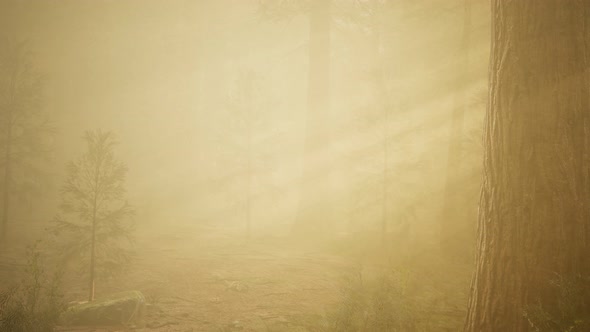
37 302
380 304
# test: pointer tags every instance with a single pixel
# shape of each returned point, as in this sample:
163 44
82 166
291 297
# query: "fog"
272 149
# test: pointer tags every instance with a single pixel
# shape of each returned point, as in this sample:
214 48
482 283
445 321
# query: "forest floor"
215 280
209 279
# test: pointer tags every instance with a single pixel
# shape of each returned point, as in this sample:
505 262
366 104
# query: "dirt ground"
207 279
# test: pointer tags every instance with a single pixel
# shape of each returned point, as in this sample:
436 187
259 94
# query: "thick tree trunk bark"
534 216
315 208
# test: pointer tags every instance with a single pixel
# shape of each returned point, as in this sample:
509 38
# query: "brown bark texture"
534 218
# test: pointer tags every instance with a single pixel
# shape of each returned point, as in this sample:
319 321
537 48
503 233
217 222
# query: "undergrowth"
570 312
36 303
377 303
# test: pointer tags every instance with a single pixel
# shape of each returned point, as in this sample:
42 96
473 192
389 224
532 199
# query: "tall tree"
246 82
315 202
534 219
251 136
315 209
26 130
371 19
385 107
94 215
450 223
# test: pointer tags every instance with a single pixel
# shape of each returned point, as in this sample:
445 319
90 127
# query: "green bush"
37 302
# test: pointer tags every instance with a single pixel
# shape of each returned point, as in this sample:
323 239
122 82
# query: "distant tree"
94 218
26 131
381 115
315 209
384 104
385 185
250 140
450 220
534 213
384 190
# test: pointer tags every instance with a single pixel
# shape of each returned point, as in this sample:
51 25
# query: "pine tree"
93 224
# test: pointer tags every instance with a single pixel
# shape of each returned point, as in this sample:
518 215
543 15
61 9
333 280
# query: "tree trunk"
250 156
315 207
384 109
385 192
7 179
92 255
93 239
450 224
8 154
534 219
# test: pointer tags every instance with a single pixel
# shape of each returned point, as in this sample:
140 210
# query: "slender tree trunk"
249 190
93 239
315 208
92 254
383 106
534 219
193 19
7 178
450 224
385 197
249 110
8 155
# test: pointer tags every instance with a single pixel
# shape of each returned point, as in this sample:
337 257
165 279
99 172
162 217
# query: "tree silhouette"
250 139
25 132
93 221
